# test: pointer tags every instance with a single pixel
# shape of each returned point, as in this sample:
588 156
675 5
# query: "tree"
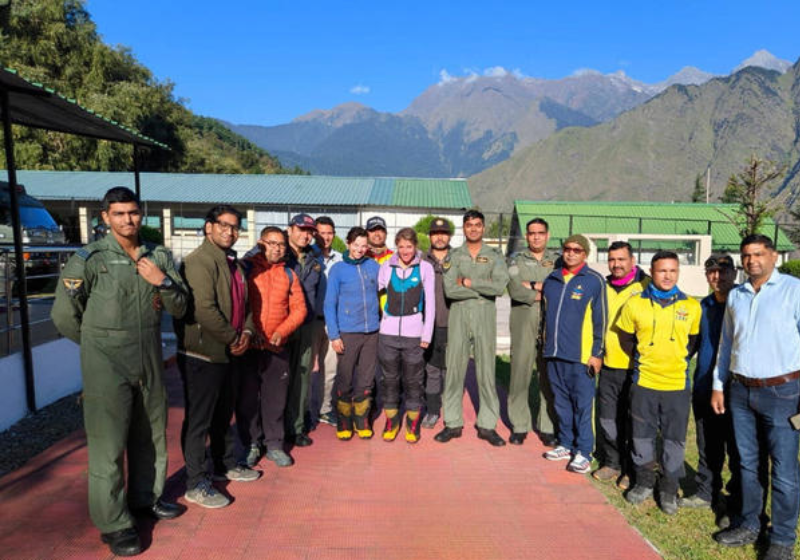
747 189
699 193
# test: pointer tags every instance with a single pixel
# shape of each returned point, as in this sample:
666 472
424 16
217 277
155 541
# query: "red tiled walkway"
350 500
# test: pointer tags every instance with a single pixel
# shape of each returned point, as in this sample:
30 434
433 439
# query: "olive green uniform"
525 337
115 315
472 329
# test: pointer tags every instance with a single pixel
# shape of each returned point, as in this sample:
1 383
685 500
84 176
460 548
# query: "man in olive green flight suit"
109 300
477 275
527 270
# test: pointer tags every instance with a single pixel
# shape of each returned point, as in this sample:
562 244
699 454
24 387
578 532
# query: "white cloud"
445 77
518 74
359 90
586 72
469 75
495 72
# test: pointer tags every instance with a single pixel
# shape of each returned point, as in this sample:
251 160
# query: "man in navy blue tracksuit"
576 312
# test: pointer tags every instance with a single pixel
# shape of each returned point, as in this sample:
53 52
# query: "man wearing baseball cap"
376 237
435 355
714 431
303 259
380 253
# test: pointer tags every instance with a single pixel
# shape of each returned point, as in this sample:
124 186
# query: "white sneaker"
560 453
580 464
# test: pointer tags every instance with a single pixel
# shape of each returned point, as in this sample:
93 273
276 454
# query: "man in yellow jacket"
613 438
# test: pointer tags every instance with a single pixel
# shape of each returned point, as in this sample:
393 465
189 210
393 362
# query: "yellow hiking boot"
344 420
393 421
412 426
361 418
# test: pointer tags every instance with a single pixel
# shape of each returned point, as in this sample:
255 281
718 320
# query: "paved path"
350 500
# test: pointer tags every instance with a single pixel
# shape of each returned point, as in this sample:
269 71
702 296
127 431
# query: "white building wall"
57 373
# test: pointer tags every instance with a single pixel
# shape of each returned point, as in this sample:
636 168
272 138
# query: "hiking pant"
715 441
573 389
435 369
472 328
355 370
401 358
263 387
654 412
613 418
209 393
299 348
325 359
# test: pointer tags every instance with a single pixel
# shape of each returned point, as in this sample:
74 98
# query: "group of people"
393 331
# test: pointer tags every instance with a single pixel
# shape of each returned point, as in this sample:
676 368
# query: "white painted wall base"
57 373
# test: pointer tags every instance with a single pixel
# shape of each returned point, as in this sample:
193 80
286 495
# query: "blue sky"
267 62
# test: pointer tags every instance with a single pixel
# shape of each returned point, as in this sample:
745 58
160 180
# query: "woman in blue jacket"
352 320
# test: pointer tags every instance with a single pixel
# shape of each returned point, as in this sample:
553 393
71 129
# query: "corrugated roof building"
177 202
658 218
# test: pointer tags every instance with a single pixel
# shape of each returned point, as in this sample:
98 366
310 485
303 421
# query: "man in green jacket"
527 271
477 275
211 338
109 300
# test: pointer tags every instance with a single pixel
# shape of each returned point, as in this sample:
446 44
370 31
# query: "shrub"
791 267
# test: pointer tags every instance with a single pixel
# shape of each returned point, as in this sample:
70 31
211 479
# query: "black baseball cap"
720 262
376 222
440 225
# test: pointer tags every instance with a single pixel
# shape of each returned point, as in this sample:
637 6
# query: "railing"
43 266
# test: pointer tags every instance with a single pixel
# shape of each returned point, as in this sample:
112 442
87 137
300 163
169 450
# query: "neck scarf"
626 280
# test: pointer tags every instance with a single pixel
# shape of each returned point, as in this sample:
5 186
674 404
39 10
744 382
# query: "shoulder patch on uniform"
84 253
72 286
513 270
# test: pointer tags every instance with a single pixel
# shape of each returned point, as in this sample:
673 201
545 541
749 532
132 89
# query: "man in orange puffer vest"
279 308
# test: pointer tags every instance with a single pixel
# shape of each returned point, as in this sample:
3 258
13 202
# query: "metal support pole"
136 182
22 284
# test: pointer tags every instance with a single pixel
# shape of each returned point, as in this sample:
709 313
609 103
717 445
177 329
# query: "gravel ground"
36 432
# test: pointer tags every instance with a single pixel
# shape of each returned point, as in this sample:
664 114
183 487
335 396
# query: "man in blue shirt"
714 432
760 353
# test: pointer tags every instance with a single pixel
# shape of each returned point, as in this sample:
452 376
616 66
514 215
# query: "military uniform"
525 339
472 328
115 315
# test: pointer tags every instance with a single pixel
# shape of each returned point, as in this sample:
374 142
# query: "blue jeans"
573 392
761 418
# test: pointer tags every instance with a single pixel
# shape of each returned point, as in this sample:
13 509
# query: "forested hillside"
56 43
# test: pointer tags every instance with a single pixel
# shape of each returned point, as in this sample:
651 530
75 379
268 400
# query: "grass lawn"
684 536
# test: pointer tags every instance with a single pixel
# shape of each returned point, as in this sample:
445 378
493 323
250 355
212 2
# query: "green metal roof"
35 105
565 218
253 189
433 193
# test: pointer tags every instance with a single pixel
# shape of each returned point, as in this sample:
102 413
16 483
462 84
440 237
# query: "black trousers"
355 370
401 359
263 389
714 442
209 394
613 418
667 413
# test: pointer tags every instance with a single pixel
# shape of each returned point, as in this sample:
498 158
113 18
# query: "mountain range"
656 150
461 126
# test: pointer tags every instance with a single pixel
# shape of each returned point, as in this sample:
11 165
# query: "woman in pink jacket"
406 330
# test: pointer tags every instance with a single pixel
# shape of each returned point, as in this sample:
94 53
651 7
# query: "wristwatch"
166 283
